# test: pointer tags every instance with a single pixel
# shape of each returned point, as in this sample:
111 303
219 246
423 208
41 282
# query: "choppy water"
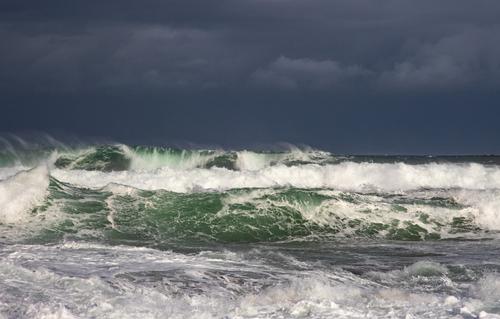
116 231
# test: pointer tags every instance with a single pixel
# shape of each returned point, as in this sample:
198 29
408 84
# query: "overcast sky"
352 76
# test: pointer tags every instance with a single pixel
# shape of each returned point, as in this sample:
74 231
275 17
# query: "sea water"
116 231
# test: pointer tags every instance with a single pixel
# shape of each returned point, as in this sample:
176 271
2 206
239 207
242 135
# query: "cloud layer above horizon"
283 44
371 50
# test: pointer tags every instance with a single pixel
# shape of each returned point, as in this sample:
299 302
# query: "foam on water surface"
116 231
344 176
91 280
21 192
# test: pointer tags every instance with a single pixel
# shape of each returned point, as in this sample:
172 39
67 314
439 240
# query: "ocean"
117 231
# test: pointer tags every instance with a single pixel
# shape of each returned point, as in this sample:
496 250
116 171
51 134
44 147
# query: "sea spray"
21 193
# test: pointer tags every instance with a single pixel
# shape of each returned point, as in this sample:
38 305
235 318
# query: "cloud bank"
279 44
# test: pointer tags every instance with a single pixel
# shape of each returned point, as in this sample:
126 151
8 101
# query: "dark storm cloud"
280 43
123 56
223 57
294 73
470 57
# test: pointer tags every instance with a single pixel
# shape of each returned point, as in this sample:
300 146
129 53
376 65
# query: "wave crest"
21 193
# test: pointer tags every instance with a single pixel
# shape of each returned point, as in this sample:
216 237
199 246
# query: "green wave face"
156 157
120 214
121 158
103 158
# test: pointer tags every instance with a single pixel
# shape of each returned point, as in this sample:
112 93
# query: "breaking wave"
122 213
121 231
152 194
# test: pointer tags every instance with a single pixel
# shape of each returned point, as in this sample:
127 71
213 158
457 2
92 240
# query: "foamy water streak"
343 176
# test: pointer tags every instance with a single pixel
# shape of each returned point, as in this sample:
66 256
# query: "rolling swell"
121 157
122 214
145 195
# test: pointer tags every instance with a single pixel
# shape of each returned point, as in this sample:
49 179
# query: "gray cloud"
287 73
150 56
160 56
319 45
56 62
468 58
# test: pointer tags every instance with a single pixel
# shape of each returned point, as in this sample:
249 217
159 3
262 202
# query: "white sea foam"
253 161
21 192
6 172
486 206
156 158
424 269
366 209
343 176
74 281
